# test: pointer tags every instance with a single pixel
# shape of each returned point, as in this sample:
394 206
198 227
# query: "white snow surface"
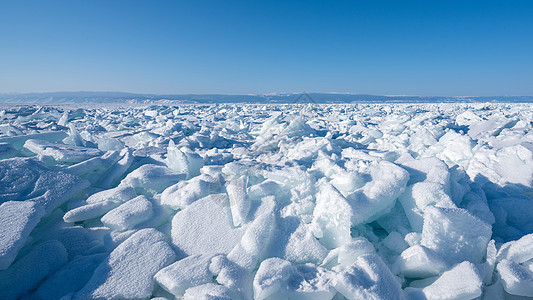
266 201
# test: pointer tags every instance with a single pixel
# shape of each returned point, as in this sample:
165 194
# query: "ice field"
252 201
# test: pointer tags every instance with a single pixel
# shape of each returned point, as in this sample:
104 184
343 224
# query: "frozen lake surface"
256 201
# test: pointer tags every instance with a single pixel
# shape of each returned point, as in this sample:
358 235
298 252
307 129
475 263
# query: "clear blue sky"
379 47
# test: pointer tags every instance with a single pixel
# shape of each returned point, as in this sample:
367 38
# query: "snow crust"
242 201
17 220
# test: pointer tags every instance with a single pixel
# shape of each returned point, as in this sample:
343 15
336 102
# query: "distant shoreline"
296 98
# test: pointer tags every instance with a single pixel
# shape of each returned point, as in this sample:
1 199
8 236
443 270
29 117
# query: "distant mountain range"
117 98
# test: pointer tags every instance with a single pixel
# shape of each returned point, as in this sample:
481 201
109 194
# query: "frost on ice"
242 201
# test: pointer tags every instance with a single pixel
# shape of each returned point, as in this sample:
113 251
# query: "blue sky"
238 47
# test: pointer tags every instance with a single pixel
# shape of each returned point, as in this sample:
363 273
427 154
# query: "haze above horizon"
426 48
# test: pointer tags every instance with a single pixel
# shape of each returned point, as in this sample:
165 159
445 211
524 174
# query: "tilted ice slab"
151 179
461 282
183 193
128 214
129 270
455 234
61 152
100 203
184 274
419 261
17 220
205 227
368 278
27 179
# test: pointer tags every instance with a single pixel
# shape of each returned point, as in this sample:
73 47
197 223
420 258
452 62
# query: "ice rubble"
351 201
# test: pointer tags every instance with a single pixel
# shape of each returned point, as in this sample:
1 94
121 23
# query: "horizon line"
256 94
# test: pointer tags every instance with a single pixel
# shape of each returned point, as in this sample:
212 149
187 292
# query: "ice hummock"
290 201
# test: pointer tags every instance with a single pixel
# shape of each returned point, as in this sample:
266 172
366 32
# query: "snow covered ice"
264 201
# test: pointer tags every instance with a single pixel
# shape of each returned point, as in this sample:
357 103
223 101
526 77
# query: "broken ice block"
129 270
17 220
